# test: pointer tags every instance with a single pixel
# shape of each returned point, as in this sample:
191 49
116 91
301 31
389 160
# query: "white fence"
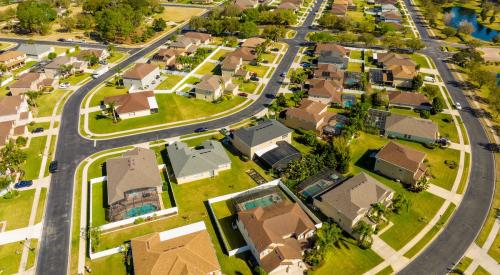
163 212
105 253
7 80
239 250
183 230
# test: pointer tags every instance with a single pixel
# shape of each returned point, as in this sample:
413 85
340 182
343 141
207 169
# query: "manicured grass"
424 205
348 258
179 14
104 265
494 251
105 91
462 266
75 226
52 149
99 204
355 54
172 108
192 80
76 79
434 230
34 160
269 57
44 125
420 60
41 205
117 55
16 211
465 134
60 50
26 66
354 67
260 70
206 68
220 53
480 271
386 271
464 179
304 149
224 212
169 82
10 258
46 103
32 252
246 87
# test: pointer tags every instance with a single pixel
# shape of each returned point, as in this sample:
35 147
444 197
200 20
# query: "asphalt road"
72 149
449 247
66 44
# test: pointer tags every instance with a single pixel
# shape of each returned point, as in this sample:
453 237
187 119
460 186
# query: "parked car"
254 78
275 49
61 40
201 130
53 166
37 130
243 94
305 65
458 105
64 85
23 184
283 74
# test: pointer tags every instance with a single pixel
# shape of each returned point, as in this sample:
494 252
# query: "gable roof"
328 70
325 88
402 156
210 83
9 105
355 194
58 62
330 47
253 42
135 169
139 71
26 80
245 4
243 52
84 53
339 9
187 254
231 63
8 55
203 37
391 15
287 6
408 98
189 161
263 132
403 71
390 58
332 57
308 110
411 126
35 49
133 102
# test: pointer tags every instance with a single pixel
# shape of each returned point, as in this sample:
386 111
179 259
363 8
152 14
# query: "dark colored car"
53 166
61 40
283 74
23 183
243 94
201 130
270 96
37 130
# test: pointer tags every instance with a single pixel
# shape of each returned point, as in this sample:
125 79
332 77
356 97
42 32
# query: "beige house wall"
393 171
250 151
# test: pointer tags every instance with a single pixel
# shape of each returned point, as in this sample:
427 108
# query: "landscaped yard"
76 79
34 160
206 68
26 66
269 57
192 80
246 87
355 54
16 211
179 14
105 91
420 59
117 55
32 252
46 102
220 53
10 258
99 204
172 108
354 67
114 263
170 81
224 212
260 70
41 205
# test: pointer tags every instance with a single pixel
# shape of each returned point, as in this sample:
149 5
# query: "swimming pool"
140 210
260 202
318 187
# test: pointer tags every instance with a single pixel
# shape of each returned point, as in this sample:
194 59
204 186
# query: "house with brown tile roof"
204 38
187 44
52 70
32 82
12 59
246 4
247 54
134 104
402 68
325 91
133 179
175 253
212 87
168 56
391 17
309 115
351 201
401 163
101 54
253 42
339 10
277 236
410 128
330 47
328 72
232 66
412 100
389 59
287 6
141 76
15 115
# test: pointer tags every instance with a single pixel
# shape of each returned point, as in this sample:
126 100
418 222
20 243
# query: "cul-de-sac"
287 137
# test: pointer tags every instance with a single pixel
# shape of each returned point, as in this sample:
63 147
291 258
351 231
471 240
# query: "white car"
64 85
458 106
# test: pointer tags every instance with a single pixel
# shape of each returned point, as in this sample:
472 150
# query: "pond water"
460 14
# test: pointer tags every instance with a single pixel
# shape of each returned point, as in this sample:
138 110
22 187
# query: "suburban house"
386 8
253 42
134 104
14 117
330 47
277 236
402 68
278 156
202 2
212 87
169 56
204 38
100 54
53 69
412 100
246 4
205 161
175 253
133 184
244 53
288 6
32 82
36 51
187 44
259 139
390 17
140 77
350 201
339 10
325 91
328 72
400 163
334 58
310 115
232 66
410 128
12 59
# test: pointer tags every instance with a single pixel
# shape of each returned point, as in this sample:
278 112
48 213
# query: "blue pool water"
141 210
260 202
460 14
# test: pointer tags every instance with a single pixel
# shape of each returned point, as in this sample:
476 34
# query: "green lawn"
46 103
206 68
386 271
103 92
462 266
246 87
114 263
44 125
224 212
494 251
75 79
192 80
424 205
260 70
355 54
348 258
32 252
60 50
117 55
41 205
17 211
420 59
10 257
354 67
34 160
220 53
169 82
99 204
463 180
269 57
172 108
480 271
26 66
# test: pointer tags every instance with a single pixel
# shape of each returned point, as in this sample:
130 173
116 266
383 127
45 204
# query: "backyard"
105 91
10 258
170 81
224 212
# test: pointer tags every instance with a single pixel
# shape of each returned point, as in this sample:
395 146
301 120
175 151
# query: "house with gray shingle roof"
410 128
36 51
204 161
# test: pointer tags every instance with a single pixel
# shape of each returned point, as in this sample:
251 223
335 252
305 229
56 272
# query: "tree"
377 210
117 24
111 49
415 44
431 91
496 39
364 233
342 153
297 97
481 77
298 76
4 182
308 138
417 82
68 23
65 70
281 100
248 29
437 105
381 98
449 31
112 110
494 102
327 236
368 38
12 157
84 21
465 27
32 97
35 16
95 237
52 55
159 25
91 58
273 33
400 202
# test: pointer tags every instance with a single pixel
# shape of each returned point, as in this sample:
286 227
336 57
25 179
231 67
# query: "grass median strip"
465 175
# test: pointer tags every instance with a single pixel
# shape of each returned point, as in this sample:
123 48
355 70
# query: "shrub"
11 195
139 220
21 141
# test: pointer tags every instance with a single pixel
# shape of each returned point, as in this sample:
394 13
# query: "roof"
330 47
231 63
391 15
183 41
408 98
403 71
187 254
253 42
133 102
198 35
325 88
8 55
210 82
390 58
308 110
355 194
280 156
287 6
26 80
244 4
189 161
9 105
339 9
35 49
411 126
263 132
5 128
84 53
272 225
330 71
139 71
244 52
169 52
402 156
333 58
58 62
135 169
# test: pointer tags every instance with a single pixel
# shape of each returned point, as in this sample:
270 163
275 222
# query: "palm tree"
364 231
297 97
378 210
328 235
112 110
399 202
32 96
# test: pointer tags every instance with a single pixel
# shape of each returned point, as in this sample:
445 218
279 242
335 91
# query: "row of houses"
184 45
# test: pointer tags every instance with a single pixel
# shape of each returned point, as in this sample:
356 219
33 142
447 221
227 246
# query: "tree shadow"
367 160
